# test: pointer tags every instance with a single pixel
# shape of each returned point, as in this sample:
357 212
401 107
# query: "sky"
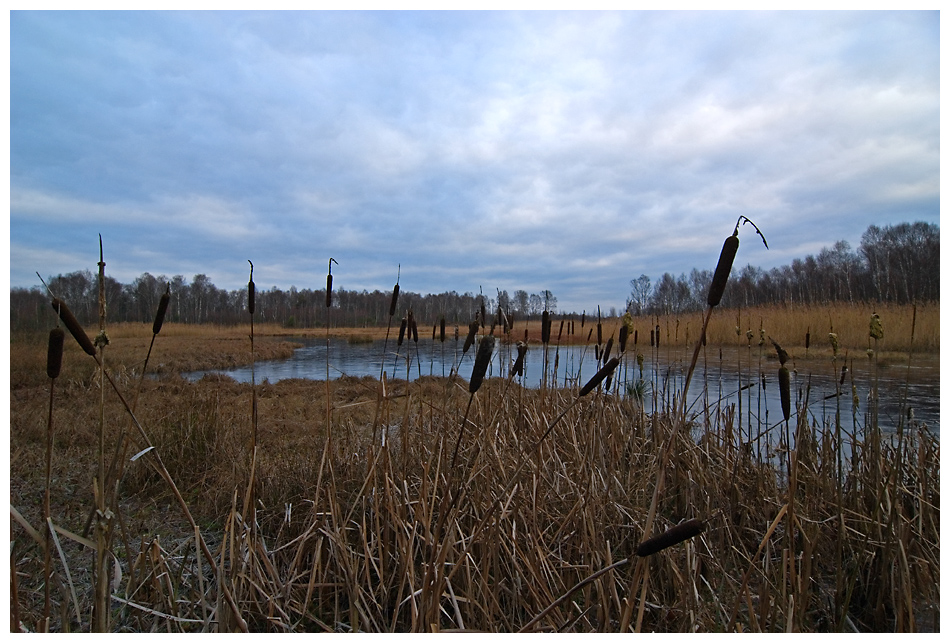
561 151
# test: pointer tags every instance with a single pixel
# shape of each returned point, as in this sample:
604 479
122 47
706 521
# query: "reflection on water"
715 383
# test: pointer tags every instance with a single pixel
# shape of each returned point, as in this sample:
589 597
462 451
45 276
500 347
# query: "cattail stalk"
482 359
54 363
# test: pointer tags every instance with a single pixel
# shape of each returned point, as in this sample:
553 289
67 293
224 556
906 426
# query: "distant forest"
897 264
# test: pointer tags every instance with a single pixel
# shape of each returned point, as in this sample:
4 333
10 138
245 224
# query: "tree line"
895 264
201 302
899 264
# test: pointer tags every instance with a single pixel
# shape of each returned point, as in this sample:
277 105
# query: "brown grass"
375 532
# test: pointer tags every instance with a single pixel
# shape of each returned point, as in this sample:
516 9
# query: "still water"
716 381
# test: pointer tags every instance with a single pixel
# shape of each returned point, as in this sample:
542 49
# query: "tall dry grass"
538 526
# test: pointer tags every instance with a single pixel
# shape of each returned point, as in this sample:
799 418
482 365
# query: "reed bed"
547 522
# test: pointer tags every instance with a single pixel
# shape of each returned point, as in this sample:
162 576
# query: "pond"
719 377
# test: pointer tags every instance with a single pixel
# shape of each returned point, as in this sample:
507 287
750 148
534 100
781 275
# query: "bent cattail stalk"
670 537
162 309
482 359
598 377
54 354
72 325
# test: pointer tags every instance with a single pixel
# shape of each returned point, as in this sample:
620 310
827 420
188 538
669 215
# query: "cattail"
402 332
784 388
545 327
472 330
442 329
54 353
330 281
807 338
723 268
636 336
483 313
583 318
844 373
610 343
435 327
670 537
482 359
782 354
560 331
73 326
598 377
833 338
600 333
392 303
652 337
518 368
624 332
876 330
413 328
250 297
596 352
162 308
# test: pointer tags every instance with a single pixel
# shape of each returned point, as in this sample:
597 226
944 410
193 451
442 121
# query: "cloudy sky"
567 151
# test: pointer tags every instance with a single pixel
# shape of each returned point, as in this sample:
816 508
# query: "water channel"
907 393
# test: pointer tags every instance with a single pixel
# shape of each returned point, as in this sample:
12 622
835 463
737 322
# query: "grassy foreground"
341 509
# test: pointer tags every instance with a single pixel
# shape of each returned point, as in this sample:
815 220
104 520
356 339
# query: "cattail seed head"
833 338
807 338
54 353
482 359
402 332
782 353
472 330
545 327
392 303
518 368
723 268
72 325
442 329
162 309
598 377
784 388
329 290
670 537
876 329
610 343
624 332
